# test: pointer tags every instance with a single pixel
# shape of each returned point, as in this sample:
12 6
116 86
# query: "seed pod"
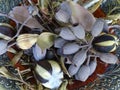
97 27
62 16
67 34
78 31
70 48
73 69
6 31
59 42
78 60
108 58
26 41
105 43
38 53
3 46
49 73
92 65
83 73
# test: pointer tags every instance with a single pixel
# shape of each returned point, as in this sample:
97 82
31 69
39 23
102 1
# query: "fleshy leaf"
82 16
78 31
46 40
83 73
67 34
70 48
108 58
97 27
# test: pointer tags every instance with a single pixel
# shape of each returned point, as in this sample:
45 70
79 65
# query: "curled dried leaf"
67 34
26 41
73 69
97 27
108 58
92 5
46 40
21 13
38 53
83 73
92 65
51 71
16 58
70 48
81 15
3 46
78 31
63 85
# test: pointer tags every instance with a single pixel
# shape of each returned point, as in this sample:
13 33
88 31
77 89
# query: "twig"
19 30
5 15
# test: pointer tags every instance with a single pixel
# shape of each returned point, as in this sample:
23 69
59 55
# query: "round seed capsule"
49 73
105 43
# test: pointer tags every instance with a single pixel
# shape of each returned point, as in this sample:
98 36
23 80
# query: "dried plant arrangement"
59 44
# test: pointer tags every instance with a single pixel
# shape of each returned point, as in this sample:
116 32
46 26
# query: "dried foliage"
49 32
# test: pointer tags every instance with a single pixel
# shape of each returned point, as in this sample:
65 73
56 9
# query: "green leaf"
46 40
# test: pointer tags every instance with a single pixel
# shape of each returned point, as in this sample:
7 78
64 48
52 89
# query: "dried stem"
19 30
5 15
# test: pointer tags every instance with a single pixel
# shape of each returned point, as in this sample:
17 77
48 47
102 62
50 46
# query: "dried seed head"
49 73
26 41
